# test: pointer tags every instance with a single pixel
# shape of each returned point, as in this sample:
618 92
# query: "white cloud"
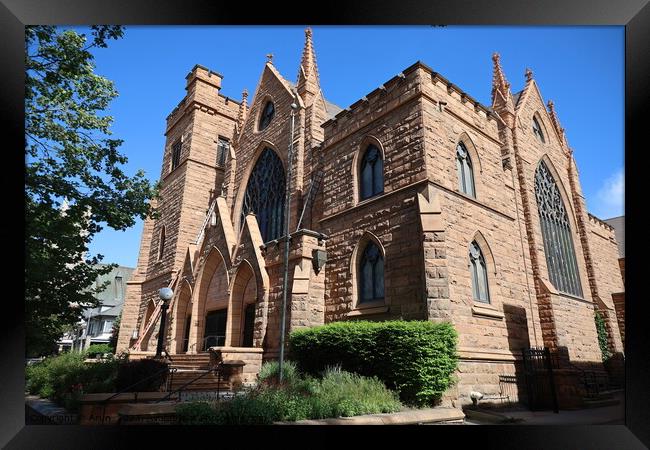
610 199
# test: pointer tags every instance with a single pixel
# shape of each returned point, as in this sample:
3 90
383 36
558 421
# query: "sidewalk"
610 415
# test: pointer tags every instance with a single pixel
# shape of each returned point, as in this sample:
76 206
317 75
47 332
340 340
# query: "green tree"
74 184
115 332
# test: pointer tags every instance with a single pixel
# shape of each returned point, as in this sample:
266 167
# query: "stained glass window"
267 115
464 169
479 273
372 173
371 274
556 234
537 130
265 195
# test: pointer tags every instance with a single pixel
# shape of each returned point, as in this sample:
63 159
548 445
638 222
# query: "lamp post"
166 295
283 311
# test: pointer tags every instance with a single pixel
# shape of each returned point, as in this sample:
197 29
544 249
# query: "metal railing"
216 370
169 376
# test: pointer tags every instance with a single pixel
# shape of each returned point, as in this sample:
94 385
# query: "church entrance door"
215 329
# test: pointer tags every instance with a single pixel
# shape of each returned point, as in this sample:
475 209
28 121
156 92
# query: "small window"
371 173
223 148
537 131
480 290
108 326
161 247
464 169
267 115
371 274
176 154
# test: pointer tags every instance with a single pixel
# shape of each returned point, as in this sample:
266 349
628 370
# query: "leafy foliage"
150 371
99 350
115 330
270 371
601 329
73 178
416 358
337 394
66 377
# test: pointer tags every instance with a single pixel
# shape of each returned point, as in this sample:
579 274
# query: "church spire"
501 95
308 81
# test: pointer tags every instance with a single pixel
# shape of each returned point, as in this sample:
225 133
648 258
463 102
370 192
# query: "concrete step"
599 403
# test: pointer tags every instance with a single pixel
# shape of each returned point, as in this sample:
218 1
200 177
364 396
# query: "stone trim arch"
182 309
477 166
213 261
568 202
238 300
486 250
363 145
355 258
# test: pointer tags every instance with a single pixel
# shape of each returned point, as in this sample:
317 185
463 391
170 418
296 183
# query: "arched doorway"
183 319
147 316
242 307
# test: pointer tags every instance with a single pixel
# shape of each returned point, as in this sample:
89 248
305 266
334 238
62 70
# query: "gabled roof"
515 97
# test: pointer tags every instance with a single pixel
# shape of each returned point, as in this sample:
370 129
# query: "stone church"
415 202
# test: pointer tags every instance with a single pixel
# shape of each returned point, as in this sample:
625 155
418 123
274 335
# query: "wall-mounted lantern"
319 258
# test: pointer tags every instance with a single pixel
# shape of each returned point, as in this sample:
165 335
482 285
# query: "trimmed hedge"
416 358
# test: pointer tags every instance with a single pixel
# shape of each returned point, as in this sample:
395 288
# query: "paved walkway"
609 415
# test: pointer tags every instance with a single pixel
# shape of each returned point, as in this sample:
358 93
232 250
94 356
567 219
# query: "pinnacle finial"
308 70
244 94
529 74
269 58
500 84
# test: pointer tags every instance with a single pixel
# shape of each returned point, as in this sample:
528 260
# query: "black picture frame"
633 14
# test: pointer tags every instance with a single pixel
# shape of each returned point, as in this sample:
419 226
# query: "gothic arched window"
267 115
372 173
556 234
537 130
464 168
265 195
478 270
371 274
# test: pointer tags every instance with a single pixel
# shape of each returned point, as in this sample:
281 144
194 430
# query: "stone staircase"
191 366
603 398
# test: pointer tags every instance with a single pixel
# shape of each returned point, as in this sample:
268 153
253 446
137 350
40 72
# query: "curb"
492 417
411 417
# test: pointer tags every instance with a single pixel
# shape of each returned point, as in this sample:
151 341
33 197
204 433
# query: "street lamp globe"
166 294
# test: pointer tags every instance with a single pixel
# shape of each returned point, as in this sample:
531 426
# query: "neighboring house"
415 202
97 324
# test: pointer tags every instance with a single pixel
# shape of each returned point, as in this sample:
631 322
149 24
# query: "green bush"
131 372
66 377
270 371
416 358
337 394
98 350
196 413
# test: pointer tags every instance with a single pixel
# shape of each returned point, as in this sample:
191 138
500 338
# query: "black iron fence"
538 364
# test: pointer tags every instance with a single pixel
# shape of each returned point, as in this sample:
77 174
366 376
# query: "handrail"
169 370
216 370
156 313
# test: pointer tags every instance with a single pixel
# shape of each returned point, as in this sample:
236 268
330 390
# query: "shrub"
66 377
270 371
98 350
196 413
416 358
337 394
131 372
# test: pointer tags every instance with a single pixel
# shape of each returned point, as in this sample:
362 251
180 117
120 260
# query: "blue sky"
580 68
